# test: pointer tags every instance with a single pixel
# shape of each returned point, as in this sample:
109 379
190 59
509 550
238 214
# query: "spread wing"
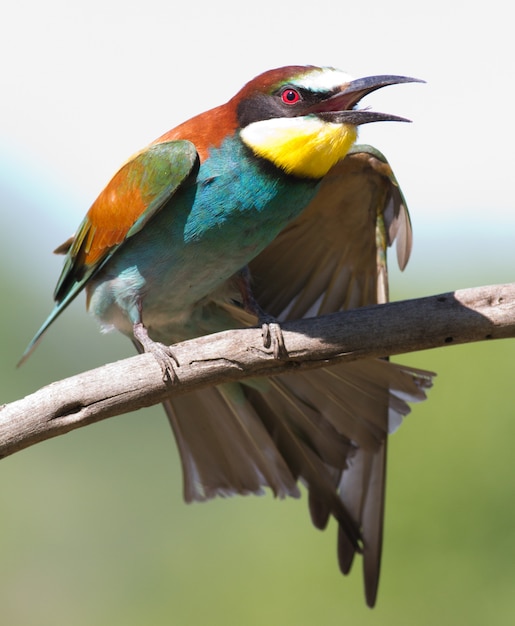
134 195
333 257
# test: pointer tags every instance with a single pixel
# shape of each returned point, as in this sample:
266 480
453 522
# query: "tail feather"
326 428
306 459
59 307
224 447
362 489
56 311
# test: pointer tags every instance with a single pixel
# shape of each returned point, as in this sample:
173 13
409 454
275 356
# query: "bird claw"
271 329
163 354
273 337
167 361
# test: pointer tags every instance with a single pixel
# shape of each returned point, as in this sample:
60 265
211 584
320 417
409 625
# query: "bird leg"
163 354
271 328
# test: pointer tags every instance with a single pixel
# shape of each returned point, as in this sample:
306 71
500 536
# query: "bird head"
303 119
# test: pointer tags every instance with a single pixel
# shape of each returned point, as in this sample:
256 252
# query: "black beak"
339 108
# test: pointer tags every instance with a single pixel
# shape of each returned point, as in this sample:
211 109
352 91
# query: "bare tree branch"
464 316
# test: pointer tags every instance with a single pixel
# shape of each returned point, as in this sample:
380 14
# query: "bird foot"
273 337
271 329
163 354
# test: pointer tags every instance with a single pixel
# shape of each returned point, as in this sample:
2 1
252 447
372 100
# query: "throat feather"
306 147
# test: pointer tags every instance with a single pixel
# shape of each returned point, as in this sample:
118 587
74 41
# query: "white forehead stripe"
323 79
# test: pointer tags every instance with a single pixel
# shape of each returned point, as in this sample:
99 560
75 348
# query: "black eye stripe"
262 106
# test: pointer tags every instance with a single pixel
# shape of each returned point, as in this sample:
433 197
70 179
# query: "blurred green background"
93 529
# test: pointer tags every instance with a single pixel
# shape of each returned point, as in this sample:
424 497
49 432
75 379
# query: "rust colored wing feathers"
136 192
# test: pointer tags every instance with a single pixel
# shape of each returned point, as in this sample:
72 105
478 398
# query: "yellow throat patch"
304 146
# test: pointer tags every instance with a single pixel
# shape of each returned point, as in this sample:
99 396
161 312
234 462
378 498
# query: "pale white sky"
86 83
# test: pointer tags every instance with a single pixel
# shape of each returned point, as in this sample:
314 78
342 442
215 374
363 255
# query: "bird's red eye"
290 96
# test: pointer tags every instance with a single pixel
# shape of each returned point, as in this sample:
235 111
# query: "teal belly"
208 231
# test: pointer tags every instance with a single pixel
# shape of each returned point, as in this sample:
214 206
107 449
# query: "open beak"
339 108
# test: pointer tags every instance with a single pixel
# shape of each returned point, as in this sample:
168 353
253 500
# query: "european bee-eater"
263 200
